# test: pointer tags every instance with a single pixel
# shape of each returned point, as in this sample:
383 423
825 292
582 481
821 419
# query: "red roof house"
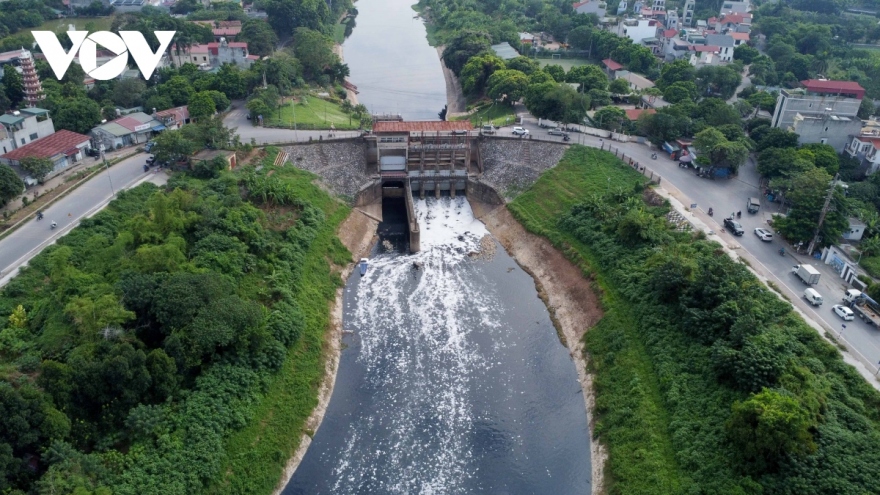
633 114
422 126
843 88
62 148
611 65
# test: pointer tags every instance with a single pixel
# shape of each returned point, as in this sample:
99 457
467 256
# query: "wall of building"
837 134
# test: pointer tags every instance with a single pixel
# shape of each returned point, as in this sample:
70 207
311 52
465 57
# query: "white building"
702 55
688 18
638 29
591 7
636 81
729 7
725 44
821 111
24 126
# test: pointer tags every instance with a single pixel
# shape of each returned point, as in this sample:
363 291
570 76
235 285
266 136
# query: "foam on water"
416 329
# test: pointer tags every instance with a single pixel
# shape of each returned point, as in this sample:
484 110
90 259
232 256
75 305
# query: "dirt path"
455 102
358 234
569 296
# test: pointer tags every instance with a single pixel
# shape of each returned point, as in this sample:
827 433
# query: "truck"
806 273
863 306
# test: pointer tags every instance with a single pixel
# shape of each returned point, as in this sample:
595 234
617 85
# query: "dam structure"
423 158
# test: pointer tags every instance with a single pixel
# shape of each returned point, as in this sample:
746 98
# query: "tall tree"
11 186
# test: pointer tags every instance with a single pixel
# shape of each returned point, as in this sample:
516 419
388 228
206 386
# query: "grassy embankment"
498 115
259 452
313 113
705 381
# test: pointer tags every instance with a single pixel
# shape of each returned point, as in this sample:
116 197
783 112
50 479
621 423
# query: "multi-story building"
672 19
821 111
724 43
638 29
688 18
590 7
729 7
20 127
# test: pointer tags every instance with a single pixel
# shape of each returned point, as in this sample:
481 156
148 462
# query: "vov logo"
87 45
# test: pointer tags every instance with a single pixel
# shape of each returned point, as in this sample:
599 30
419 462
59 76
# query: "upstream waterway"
452 379
390 61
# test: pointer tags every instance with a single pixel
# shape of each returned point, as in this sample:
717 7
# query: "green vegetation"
173 343
90 24
565 63
497 115
314 113
706 382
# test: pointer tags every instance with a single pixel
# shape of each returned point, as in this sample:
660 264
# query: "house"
527 38
210 155
213 55
655 102
638 29
633 114
687 19
672 20
24 126
504 51
739 38
821 111
865 148
590 7
134 128
730 7
63 149
222 29
724 42
730 22
173 118
702 55
855 231
611 67
636 81
621 7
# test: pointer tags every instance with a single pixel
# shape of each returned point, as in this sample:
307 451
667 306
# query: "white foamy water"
417 330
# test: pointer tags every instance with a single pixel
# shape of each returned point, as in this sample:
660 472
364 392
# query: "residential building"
134 128
172 119
725 43
732 22
687 19
638 29
591 7
702 55
672 20
855 231
621 7
649 101
611 67
63 148
633 114
527 38
659 5
223 29
821 111
213 55
866 147
739 38
24 126
636 81
729 7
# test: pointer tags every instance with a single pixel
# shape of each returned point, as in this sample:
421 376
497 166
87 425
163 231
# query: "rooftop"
422 126
611 64
635 113
834 87
740 36
719 40
63 141
180 114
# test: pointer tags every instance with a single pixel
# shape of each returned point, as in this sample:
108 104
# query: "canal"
452 378
391 63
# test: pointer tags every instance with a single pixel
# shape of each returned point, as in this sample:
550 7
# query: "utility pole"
822 215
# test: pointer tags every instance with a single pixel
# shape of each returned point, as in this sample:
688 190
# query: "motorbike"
566 137
39 215
782 251
52 227
710 212
653 156
146 168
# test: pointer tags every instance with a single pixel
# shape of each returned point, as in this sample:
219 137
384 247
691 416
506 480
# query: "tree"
38 168
14 85
128 93
588 76
580 37
718 81
172 145
776 138
556 71
610 118
508 84
78 115
178 88
680 91
476 73
866 108
716 112
619 87
673 72
823 156
523 64
201 105
11 186
558 102
286 16
462 46
770 426
781 162
259 36
807 195
745 53
313 51
721 152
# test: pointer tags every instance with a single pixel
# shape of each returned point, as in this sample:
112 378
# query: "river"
452 379
391 63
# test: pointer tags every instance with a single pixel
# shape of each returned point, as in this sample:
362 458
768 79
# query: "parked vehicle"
813 297
734 226
520 131
843 312
807 273
149 146
566 137
556 132
764 234
94 152
753 205
488 129
866 308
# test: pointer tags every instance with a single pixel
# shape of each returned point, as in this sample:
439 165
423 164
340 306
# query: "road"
34 235
730 196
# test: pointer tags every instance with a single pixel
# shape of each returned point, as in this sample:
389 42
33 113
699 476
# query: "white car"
764 234
843 312
520 131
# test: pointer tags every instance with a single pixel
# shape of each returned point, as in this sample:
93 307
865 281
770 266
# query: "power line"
822 215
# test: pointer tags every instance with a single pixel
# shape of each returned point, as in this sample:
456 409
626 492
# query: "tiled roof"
670 33
740 36
426 126
704 48
227 31
200 48
735 18
611 64
253 57
634 113
827 86
180 114
62 141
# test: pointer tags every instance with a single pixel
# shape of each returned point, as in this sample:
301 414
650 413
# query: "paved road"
34 235
730 196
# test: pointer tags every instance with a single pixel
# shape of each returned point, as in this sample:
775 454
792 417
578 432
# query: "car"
459 132
554 132
94 152
734 226
843 312
764 234
520 131
149 146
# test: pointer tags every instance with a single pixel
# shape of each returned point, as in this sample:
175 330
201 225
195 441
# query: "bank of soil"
569 296
455 102
358 234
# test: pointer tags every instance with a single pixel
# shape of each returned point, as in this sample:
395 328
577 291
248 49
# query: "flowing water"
452 379
390 61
